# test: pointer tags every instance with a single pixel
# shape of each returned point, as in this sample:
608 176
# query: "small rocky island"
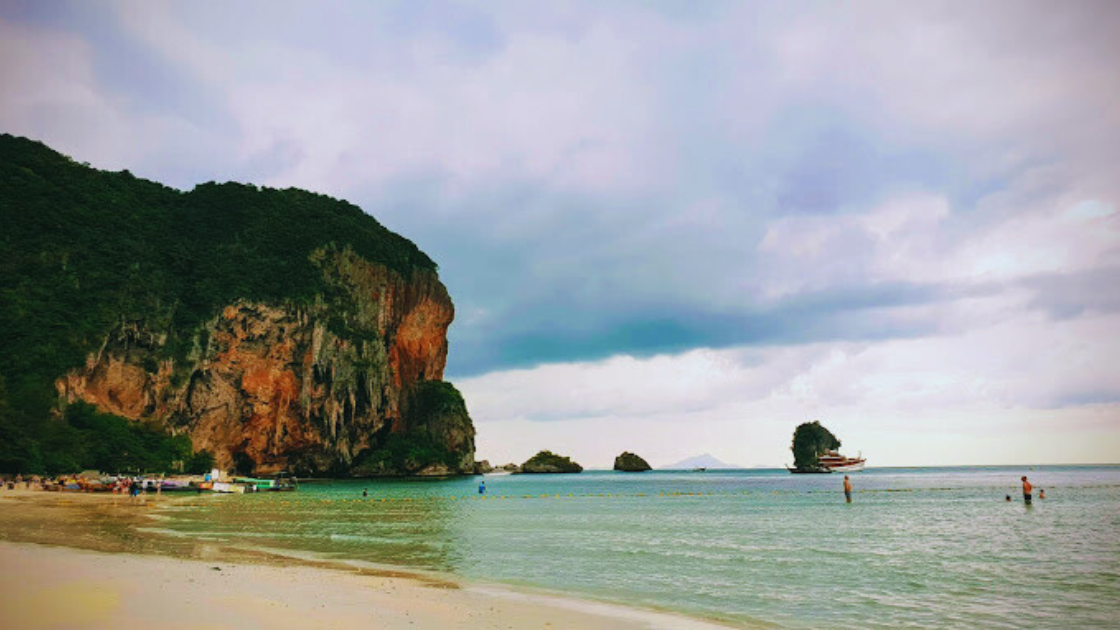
549 462
629 462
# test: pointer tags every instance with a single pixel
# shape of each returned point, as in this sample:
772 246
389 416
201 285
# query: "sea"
917 547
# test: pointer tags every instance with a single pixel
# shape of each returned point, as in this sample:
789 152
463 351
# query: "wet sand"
76 560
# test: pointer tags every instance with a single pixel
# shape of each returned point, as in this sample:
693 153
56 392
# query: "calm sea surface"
929 547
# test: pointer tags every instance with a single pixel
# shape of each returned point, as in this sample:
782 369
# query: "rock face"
549 462
629 462
314 388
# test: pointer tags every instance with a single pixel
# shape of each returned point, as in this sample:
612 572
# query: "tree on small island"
810 441
549 462
629 462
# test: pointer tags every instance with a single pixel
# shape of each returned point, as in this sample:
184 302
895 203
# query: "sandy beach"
97 581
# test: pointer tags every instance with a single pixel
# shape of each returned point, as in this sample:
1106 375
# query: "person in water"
482 488
365 493
1007 497
1041 493
847 489
1027 487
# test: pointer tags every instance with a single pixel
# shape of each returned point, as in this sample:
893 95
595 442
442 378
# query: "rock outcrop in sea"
629 462
549 462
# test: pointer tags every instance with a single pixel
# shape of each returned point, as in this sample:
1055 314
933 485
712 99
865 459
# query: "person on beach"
482 488
847 489
1027 487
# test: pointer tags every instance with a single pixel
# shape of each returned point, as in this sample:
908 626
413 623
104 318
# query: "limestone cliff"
321 386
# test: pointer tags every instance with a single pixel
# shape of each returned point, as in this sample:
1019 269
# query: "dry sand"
45 586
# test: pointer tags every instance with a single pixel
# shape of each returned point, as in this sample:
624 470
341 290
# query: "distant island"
629 462
149 329
700 461
546 462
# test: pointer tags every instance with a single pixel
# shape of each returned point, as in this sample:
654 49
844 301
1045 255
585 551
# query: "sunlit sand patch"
65 605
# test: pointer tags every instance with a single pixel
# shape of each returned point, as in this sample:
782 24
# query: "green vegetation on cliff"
88 439
439 418
83 251
549 462
810 441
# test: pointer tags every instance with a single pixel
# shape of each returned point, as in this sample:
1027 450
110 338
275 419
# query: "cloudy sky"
678 227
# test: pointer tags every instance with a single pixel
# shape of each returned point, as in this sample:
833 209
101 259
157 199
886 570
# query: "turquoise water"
935 547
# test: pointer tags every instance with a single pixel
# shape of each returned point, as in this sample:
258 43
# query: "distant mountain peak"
706 460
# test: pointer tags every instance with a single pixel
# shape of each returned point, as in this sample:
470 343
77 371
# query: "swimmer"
1027 487
1007 497
365 493
1041 493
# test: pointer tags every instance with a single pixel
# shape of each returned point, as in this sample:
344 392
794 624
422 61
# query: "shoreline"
85 560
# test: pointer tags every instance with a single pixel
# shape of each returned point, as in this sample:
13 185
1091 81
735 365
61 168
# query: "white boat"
835 462
228 488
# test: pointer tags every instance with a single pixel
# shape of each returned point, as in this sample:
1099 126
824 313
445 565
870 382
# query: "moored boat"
228 488
279 484
833 461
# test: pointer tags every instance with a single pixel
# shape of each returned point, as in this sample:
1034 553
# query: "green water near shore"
935 547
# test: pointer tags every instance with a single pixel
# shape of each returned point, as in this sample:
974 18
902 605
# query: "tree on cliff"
810 441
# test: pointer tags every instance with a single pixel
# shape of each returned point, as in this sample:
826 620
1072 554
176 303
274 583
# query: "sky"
671 227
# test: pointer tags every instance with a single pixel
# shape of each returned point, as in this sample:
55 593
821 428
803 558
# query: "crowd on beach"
131 486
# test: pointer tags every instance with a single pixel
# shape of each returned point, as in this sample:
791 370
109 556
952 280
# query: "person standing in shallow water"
482 488
847 489
1027 487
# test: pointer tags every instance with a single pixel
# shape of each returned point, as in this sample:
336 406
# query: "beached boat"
833 461
228 488
280 484
175 485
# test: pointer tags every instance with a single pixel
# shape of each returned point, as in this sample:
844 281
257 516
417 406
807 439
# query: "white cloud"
1018 72
50 93
916 238
568 108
